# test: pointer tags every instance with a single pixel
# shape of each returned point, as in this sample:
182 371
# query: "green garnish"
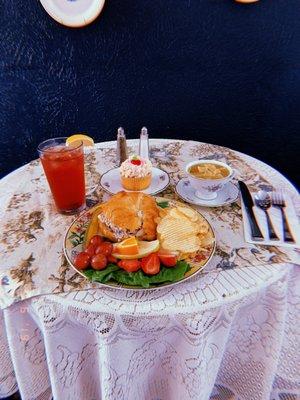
163 204
113 273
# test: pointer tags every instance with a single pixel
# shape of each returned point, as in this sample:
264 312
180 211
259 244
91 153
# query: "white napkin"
275 216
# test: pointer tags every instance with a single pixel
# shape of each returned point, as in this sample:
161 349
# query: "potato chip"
177 233
188 212
182 229
186 245
174 226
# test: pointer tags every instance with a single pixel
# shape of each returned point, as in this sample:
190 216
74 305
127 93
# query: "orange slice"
79 137
128 247
144 249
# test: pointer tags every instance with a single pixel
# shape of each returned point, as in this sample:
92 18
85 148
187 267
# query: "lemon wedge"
144 249
79 137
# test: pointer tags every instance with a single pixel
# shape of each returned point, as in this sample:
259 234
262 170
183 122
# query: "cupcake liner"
136 184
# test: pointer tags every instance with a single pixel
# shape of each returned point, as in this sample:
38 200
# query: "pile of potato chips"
183 230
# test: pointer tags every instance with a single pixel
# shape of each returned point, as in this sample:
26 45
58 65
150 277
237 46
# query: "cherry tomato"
112 259
167 258
130 265
151 264
99 261
105 248
90 250
82 260
96 240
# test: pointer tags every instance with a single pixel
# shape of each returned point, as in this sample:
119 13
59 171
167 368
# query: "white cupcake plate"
111 183
229 194
73 13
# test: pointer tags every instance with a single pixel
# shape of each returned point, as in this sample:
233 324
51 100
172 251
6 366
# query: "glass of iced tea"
64 168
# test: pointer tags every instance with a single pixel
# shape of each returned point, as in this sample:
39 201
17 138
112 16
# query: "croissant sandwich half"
128 214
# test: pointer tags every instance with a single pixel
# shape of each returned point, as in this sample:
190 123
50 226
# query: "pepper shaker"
144 144
122 153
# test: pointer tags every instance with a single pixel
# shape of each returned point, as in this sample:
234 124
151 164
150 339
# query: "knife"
249 204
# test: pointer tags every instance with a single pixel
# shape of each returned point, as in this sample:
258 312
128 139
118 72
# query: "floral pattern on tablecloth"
32 233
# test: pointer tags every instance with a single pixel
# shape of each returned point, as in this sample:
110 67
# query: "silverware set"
265 200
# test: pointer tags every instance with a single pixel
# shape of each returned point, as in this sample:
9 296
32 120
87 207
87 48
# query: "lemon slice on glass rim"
80 137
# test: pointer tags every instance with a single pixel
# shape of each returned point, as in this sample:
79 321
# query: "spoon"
263 201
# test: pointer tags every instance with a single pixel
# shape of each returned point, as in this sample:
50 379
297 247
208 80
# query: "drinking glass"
64 168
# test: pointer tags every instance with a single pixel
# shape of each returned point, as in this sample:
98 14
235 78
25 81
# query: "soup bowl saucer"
227 195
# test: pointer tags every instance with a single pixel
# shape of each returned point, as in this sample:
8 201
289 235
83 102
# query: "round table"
231 332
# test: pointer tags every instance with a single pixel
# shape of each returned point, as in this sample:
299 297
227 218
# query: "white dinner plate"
229 194
111 183
73 13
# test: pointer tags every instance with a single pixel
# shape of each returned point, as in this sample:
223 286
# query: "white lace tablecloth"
229 334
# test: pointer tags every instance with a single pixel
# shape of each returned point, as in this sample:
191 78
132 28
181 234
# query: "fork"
279 202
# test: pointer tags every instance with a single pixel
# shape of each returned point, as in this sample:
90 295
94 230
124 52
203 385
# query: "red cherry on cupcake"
136 161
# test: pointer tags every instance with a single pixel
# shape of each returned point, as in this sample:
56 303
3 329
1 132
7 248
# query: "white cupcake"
136 173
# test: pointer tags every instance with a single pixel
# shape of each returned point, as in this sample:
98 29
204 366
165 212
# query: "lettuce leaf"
113 273
101 276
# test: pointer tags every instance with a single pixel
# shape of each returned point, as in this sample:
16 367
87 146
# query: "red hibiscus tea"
64 168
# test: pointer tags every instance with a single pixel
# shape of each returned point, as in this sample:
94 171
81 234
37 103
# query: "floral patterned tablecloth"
230 321
32 231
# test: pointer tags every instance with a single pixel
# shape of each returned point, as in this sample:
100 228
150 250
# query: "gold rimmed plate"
74 243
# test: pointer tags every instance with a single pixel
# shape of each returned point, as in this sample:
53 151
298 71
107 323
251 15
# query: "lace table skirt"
69 348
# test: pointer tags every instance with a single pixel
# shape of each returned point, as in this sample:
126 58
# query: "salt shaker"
144 144
122 153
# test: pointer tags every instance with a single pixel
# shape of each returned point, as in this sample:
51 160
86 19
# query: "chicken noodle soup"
209 171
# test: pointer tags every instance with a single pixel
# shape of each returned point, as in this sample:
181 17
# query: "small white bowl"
207 188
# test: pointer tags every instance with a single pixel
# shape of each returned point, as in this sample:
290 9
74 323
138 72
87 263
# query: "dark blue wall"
212 70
